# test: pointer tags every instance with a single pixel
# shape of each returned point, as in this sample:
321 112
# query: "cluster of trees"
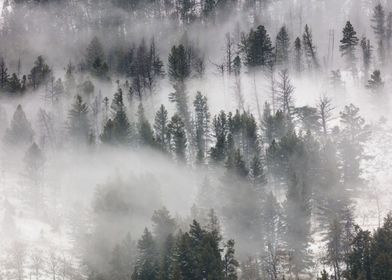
276 176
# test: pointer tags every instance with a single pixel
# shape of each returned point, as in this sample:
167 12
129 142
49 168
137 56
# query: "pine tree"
179 66
256 48
378 27
367 50
178 140
309 48
202 122
161 129
230 264
163 225
79 126
95 59
4 76
282 47
354 134
375 83
220 130
20 131
146 134
14 84
147 266
40 73
298 55
348 45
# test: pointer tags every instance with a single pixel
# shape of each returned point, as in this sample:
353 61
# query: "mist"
195 139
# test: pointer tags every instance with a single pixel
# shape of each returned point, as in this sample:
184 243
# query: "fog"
282 145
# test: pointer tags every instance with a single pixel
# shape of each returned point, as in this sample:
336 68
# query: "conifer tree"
79 126
178 140
179 66
375 83
40 73
309 48
146 134
161 129
147 266
298 55
367 50
20 130
348 45
378 27
4 76
202 122
282 47
256 48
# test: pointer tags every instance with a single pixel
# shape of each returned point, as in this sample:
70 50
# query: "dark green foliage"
79 126
40 73
230 264
147 266
146 135
202 123
95 59
179 67
282 47
348 45
256 48
161 129
178 140
375 83
309 49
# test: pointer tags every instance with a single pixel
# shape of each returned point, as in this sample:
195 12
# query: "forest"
195 140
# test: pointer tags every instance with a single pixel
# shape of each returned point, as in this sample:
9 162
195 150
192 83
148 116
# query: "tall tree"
20 131
161 129
348 46
178 140
79 127
309 48
282 47
378 20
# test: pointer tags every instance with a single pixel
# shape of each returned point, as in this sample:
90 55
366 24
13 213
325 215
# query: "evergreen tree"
375 83
378 27
95 59
282 47
79 127
146 134
348 45
256 48
147 266
161 129
20 131
367 50
354 134
309 48
40 73
230 264
178 140
179 66
220 130
4 76
202 122
298 55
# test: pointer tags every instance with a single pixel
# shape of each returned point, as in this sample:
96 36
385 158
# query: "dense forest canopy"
195 139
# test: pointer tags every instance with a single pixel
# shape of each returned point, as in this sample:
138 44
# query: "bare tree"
285 92
325 110
37 263
17 260
53 264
